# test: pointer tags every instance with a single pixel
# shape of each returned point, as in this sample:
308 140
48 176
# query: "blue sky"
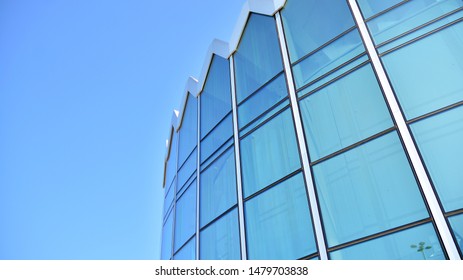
87 89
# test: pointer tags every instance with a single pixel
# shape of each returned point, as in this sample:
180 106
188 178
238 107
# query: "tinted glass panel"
217 137
344 113
221 241
166 246
269 153
419 243
372 7
340 51
188 251
218 187
427 75
258 58
189 130
278 223
187 170
367 190
409 16
331 18
457 226
172 162
216 96
185 216
169 199
262 100
440 140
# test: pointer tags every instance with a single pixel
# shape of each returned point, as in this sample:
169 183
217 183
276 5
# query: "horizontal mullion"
187 158
386 10
216 125
436 112
219 216
294 173
263 113
454 213
265 121
204 168
261 87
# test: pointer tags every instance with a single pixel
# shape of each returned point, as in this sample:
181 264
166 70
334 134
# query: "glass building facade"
324 130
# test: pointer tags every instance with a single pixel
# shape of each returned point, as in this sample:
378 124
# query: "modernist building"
323 130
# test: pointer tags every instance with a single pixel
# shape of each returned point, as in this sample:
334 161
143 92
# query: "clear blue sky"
87 89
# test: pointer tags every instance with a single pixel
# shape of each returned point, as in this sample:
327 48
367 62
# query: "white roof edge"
217 47
265 7
191 88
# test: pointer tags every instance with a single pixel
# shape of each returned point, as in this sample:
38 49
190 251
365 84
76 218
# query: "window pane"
367 190
440 139
217 137
221 240
343 113
372 7
331 18
258 58
403 245
188 252
427 75
216 96
187 170
172 162
269 153
262 100
169 198
340 51
218 187
188 131
166 246
409 16
185 216
278 222
456 223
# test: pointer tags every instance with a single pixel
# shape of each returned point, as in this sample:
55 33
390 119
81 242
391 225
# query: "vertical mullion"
237 162
319 234
403 130
197 174
174 206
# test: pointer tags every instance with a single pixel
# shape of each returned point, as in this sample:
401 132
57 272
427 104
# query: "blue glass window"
269 153
403 245
343 113
169 198
218 187
309 24
216 96
188 130
457 226
166 246
409 16
367 190
440 139
278 222
171 168
372 7
218 136
262 100
258 58
187 170
185 216
427 75
220 240
188 252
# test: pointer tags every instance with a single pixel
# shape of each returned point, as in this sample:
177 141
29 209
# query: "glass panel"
172 162
185 216
427 75
218 187
269 153
367 190
221 240
331 18
418 243
258 58
372 7
262 100
169 199
278 222
216 96
440 139
328 58
456 223
344 112
217 137
187 170
409 16
255 123
188 252
189 130
217 153
166 246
